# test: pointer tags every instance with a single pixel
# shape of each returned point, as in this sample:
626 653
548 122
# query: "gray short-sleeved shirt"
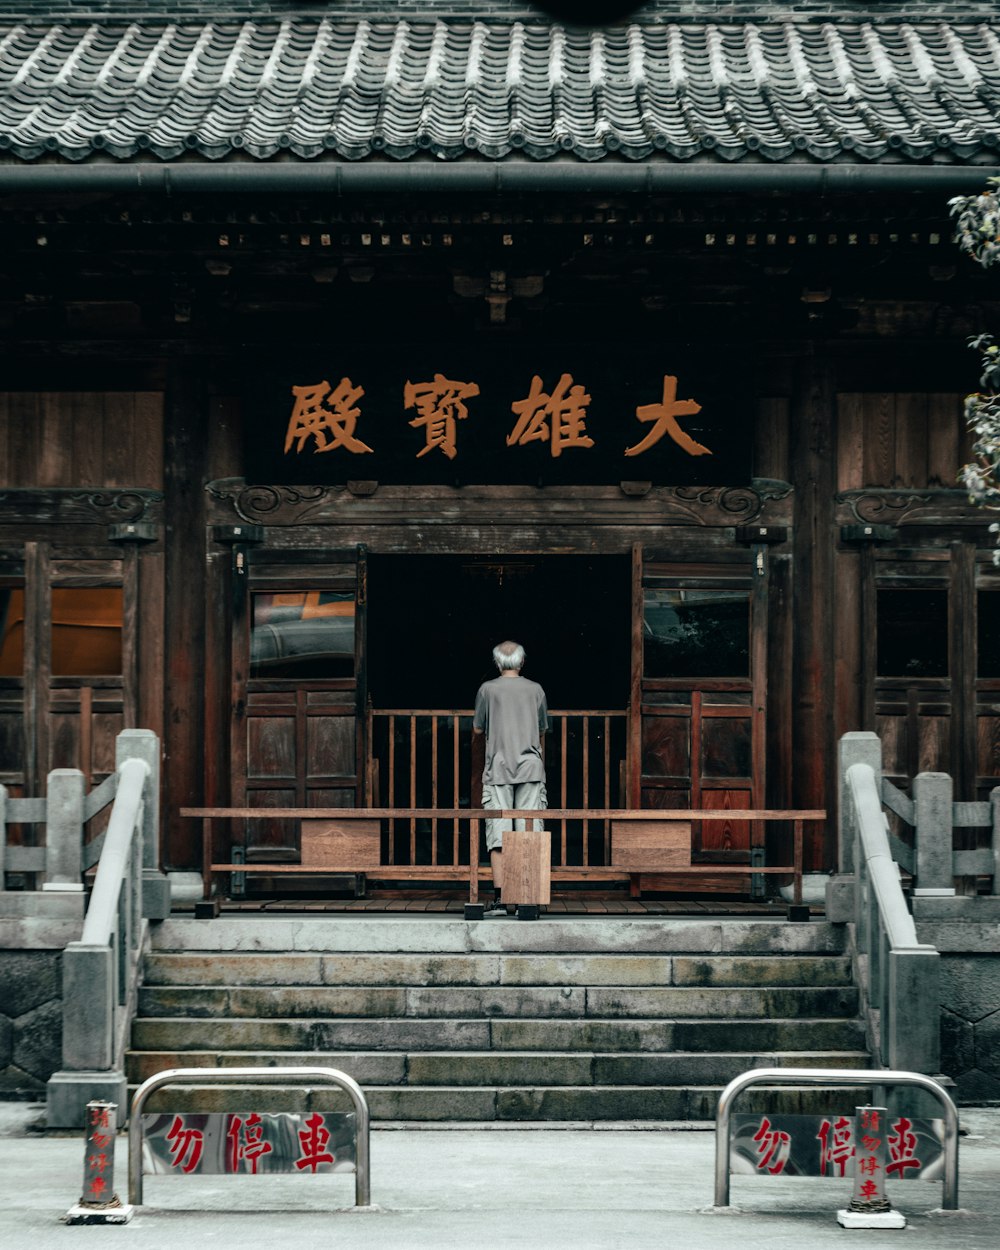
511 712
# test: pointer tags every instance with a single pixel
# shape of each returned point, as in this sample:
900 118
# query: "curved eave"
516 176
330 92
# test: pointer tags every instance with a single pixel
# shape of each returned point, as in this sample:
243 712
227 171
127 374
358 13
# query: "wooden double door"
73 672
699 699
298 671
683 642
930 628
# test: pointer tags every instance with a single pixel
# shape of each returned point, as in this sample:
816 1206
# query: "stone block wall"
30 1020
970 1024
970 1004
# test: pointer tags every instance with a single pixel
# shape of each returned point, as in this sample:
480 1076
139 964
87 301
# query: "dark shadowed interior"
433 623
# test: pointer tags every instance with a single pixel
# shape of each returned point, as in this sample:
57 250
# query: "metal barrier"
263 1076
835 1076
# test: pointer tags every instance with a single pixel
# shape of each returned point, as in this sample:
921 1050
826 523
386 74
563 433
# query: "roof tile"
826 91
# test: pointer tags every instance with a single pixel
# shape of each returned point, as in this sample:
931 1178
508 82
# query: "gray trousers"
526 796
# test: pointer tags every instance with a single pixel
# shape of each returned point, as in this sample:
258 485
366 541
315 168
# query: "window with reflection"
696 633
11 631
912 633
302 634
988 633
86 631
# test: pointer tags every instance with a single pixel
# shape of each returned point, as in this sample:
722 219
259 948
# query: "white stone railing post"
144 745
3 838
64 830
860 747
912 1033
933 863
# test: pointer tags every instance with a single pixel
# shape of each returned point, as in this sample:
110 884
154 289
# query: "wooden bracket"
765 535
133 532
868 533
238 534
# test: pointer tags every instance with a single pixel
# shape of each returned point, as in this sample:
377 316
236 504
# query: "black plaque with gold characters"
525 415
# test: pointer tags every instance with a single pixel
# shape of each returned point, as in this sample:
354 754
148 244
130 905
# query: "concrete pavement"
602 1187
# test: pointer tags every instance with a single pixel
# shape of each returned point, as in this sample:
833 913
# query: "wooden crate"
650 845
345 845
527 866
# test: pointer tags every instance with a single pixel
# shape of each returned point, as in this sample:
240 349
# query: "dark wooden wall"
69 438
899 440
85 461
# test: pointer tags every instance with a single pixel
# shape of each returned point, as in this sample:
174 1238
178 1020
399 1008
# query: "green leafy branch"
977 233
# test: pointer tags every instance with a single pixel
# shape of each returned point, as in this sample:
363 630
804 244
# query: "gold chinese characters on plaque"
327 418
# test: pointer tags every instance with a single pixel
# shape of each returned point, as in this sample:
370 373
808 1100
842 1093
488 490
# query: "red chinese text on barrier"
773 1148
246 1143
836 1145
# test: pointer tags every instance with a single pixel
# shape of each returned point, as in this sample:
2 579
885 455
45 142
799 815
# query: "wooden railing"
350 827
428 758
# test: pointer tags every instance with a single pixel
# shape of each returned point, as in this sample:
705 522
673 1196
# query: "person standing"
512 713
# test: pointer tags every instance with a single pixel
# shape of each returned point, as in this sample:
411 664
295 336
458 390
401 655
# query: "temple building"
343 340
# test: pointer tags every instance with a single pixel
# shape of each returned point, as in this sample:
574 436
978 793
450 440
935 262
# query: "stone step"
699 1036
427 1034
428 969
453 935
484 1034
547 1002
444 1103
439 1019
501 1068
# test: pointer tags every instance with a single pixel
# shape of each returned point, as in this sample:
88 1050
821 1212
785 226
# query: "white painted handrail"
124 828
899 975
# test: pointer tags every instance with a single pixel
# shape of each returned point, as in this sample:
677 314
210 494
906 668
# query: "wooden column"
962 666
226 603
150 640
37 665
130 642
633 772
780 645
813 465
184 477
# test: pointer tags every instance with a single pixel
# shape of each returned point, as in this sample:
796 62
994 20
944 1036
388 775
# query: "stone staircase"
501 1020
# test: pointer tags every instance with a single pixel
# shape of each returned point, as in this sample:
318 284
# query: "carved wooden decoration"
284 505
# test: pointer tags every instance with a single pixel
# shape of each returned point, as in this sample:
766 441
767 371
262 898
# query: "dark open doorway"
433 622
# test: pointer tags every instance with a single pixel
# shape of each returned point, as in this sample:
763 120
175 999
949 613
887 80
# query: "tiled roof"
311 86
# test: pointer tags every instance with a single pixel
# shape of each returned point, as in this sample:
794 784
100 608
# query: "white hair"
507 655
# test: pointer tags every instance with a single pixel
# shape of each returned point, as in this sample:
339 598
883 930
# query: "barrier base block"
871 1219
474 911
83 1214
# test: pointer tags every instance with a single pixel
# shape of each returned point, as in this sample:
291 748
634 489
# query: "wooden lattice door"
299 689
698 701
